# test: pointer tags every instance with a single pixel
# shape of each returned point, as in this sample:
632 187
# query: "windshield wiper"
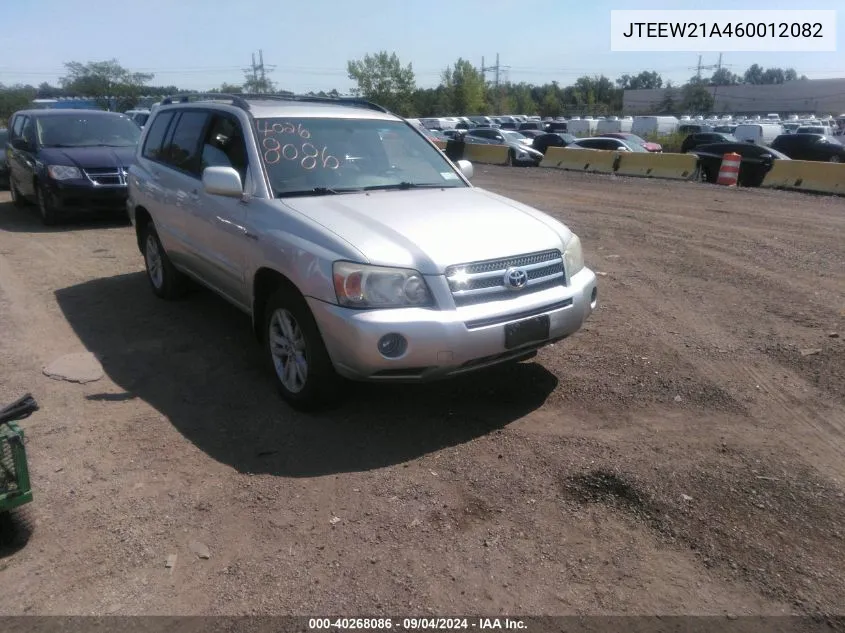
407 185
316 191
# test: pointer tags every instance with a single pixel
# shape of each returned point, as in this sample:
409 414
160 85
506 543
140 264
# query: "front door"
224 220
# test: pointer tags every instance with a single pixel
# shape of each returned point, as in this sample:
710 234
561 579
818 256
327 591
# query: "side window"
17 126
28 131
155 137
183 149
224 145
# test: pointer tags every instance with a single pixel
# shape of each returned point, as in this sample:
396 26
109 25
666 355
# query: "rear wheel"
165 280
294 349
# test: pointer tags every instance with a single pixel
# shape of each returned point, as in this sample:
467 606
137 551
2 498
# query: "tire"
308 381
46 210
166 282
17 199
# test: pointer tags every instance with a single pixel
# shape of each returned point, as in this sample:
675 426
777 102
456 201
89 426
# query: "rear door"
179 177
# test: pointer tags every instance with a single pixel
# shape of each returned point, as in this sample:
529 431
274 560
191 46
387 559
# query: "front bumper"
447 342
82 198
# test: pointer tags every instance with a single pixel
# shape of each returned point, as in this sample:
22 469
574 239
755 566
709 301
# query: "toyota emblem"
516 278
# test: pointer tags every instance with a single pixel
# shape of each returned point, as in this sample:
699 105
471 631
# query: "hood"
88 157
431 229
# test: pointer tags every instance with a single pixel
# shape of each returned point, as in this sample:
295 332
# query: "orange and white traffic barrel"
729 171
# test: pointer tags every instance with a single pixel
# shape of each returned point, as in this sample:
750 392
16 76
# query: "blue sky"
199 44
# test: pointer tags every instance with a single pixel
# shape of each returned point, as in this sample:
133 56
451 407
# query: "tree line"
383 78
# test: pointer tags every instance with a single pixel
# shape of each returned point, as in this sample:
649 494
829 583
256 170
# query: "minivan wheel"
17 199
165 280
46 210
294 348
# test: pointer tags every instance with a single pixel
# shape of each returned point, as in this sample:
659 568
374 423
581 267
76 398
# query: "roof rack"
237 100
242 100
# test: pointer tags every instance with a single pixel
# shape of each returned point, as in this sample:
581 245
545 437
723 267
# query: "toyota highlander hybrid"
357 248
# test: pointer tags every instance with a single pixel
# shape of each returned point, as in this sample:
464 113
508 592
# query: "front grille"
478 282
107 176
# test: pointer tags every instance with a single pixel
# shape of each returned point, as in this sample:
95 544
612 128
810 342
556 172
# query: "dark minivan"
68 161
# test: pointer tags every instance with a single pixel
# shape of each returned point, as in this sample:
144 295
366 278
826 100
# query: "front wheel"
46 210
17 199
165 280
294 348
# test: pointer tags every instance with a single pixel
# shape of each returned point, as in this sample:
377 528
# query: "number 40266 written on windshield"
298 148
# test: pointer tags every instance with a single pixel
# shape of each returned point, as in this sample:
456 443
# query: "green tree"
645 80
382 78
523 100
102 80
696 98
669 103
255 84
550 106
13 98
724 77
754 74
465 88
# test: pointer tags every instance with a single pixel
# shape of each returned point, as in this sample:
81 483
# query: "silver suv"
356 246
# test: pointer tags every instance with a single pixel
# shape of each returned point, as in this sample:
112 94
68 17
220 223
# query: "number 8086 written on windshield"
292 142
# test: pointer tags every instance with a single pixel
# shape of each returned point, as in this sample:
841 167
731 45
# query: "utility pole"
496 79
261 65
255 68
698 68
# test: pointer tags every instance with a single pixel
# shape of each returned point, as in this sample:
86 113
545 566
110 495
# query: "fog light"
392 345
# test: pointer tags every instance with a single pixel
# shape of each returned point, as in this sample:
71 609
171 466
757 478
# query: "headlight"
63 172
364 286
573 257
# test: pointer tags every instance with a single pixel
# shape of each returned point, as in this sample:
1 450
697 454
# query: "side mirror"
222 181
466 169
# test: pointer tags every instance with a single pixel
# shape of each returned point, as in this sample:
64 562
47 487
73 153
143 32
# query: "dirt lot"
679 455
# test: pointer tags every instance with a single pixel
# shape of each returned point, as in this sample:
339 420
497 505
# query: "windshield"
87 130
325 156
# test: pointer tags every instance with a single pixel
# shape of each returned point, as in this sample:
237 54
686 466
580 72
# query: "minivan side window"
183 149
17 126
155 137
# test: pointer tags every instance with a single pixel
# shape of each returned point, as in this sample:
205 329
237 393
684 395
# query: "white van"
582 127
614 125
759 133
645 125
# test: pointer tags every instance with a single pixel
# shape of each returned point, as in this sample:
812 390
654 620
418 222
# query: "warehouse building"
809 96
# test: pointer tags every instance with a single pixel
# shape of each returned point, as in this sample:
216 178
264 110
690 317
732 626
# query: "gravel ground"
682 454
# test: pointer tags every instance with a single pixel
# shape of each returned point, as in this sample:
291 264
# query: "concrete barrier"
489 154
654 165
804 175
600 161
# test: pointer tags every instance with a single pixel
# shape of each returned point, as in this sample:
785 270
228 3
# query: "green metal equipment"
15 488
